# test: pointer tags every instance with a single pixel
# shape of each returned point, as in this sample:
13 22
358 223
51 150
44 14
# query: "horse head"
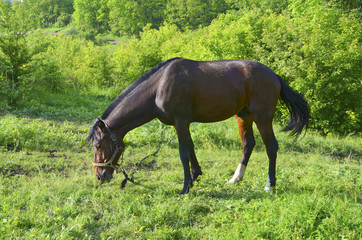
107 150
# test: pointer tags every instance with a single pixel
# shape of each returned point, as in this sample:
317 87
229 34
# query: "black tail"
297 106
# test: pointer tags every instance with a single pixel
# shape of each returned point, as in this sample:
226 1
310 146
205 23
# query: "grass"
56 195
48 189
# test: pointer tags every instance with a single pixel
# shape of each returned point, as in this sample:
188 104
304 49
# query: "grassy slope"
46 194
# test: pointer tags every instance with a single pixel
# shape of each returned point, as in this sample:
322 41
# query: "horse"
180 91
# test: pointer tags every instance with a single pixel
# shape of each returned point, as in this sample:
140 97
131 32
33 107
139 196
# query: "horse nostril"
108 176
99 177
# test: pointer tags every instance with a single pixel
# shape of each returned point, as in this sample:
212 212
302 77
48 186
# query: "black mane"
93 130
91 133
136 83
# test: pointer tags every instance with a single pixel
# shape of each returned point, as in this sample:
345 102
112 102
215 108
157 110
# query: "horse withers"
181 91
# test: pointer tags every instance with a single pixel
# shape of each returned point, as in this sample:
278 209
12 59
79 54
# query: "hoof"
195 174
235 180
238 175
185 191
186 188
268 188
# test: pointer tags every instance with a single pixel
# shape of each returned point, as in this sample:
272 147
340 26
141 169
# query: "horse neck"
136 109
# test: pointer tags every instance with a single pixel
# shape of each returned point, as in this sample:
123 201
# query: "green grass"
56 195
48 189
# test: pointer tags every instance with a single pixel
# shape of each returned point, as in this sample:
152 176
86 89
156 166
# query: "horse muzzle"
104 176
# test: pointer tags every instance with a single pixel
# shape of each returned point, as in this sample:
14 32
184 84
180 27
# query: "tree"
13 50
190 14
315 46
247 5
50 12
91 15
44 13
128 17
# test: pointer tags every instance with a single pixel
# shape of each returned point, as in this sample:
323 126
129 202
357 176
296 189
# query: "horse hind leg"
245 124
264 124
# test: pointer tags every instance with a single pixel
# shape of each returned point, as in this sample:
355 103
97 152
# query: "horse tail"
297 107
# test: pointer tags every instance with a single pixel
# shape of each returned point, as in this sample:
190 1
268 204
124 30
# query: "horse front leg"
195 167
186 149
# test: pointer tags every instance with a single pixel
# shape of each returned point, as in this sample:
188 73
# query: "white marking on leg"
268 187
239 174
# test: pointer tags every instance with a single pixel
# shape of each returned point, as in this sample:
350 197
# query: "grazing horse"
181 91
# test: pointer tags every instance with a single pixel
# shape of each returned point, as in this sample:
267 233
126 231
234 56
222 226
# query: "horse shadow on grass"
228 193
223 193
210 188
247 194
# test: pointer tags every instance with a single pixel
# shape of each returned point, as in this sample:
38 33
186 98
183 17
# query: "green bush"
82 63
315 48
312 45
14 54
45 72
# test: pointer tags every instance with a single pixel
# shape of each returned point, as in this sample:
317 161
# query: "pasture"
48 189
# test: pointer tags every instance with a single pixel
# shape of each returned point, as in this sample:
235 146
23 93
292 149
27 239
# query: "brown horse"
180 91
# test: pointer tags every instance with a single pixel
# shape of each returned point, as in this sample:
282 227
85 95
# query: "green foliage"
43 68
52 12
44 13
348 5
13 53
68 62
71 105
247 5
135 57
316 48
313 46
190 14
91 16
130 17
45 71
93 67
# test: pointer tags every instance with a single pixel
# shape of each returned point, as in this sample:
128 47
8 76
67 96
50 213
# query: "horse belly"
217 102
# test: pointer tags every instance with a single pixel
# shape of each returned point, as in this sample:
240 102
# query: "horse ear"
100 124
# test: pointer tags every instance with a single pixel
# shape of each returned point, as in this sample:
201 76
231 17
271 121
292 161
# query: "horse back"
211 91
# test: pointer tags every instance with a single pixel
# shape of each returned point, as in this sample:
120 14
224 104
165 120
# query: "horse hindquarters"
265 89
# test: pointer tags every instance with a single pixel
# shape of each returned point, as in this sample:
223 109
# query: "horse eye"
98 146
